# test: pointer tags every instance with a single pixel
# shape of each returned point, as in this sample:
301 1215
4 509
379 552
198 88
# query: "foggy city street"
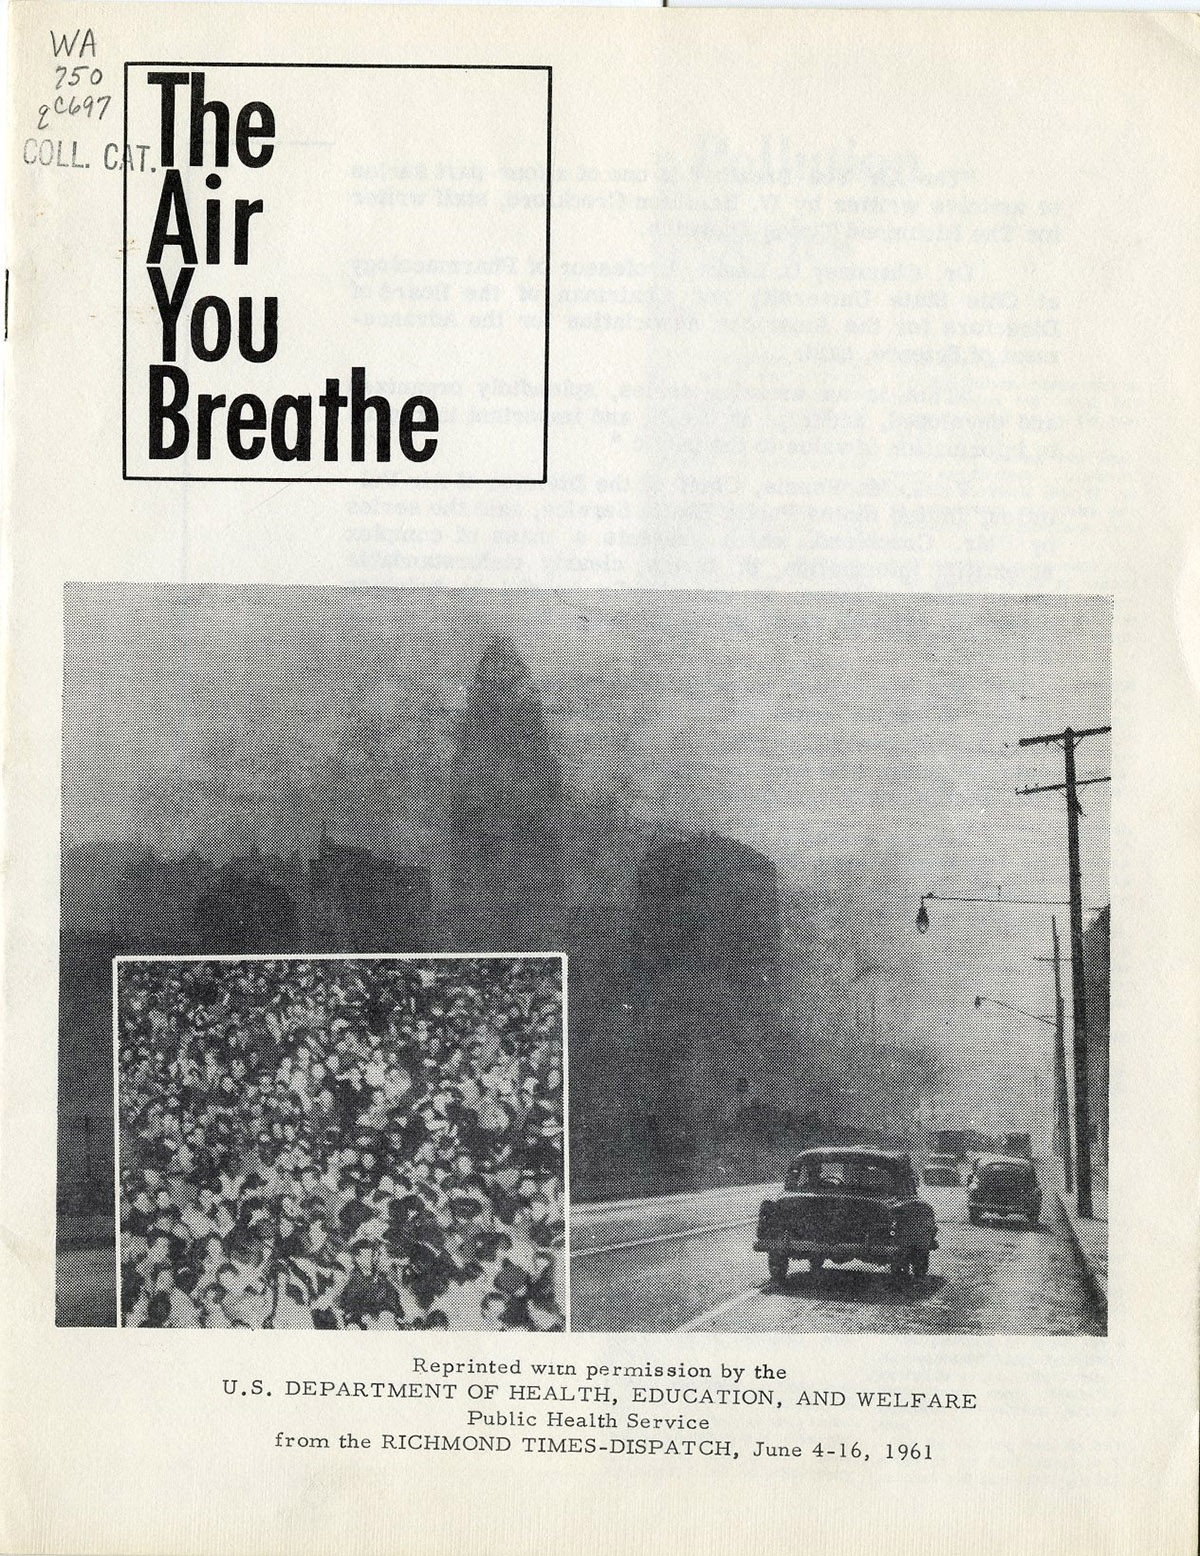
686 1263
810 883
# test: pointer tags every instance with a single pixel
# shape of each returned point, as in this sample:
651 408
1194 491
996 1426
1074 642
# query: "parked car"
943 1171
1003 1187
846 1202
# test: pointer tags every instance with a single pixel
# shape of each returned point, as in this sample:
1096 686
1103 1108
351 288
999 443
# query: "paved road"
687 1262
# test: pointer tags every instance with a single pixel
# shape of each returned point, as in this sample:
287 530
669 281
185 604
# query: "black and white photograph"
340 1143
830 875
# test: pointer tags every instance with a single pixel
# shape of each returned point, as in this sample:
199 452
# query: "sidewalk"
1090 1237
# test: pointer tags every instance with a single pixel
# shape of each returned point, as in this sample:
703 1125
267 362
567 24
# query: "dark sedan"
846 1202
1004 1187
942 1172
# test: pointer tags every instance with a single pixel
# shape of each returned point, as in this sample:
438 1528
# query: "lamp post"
1062 1121
1060 1093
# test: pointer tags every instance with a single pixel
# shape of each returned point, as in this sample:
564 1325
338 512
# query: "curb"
1095 1287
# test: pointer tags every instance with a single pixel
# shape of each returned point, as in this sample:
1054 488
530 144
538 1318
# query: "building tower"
504 840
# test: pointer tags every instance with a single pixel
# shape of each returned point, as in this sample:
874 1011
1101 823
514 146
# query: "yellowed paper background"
705 432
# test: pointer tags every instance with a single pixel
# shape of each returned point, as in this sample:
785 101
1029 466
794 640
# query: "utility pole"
1069 739
1062 1117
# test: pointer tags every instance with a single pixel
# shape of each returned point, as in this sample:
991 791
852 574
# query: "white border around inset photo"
564 1252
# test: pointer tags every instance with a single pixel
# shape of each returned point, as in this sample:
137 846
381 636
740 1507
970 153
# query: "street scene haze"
810 921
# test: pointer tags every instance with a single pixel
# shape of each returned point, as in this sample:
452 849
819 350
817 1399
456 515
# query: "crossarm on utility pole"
1053 788
1073 735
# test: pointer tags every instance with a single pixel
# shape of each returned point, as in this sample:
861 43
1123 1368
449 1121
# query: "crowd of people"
341 1143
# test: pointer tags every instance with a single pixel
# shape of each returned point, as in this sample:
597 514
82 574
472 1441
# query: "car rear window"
833 1172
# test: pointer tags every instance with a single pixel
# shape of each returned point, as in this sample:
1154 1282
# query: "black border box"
327 480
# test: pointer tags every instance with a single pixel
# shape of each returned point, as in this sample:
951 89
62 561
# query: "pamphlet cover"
600 810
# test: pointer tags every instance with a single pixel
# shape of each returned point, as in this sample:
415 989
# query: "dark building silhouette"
708 900
1095 972
357 901
503 815
697 1020
245 912
124 891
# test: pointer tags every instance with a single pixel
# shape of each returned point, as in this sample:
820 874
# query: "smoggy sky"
869 739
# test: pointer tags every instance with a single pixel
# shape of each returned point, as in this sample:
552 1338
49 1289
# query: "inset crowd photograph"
341 1143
